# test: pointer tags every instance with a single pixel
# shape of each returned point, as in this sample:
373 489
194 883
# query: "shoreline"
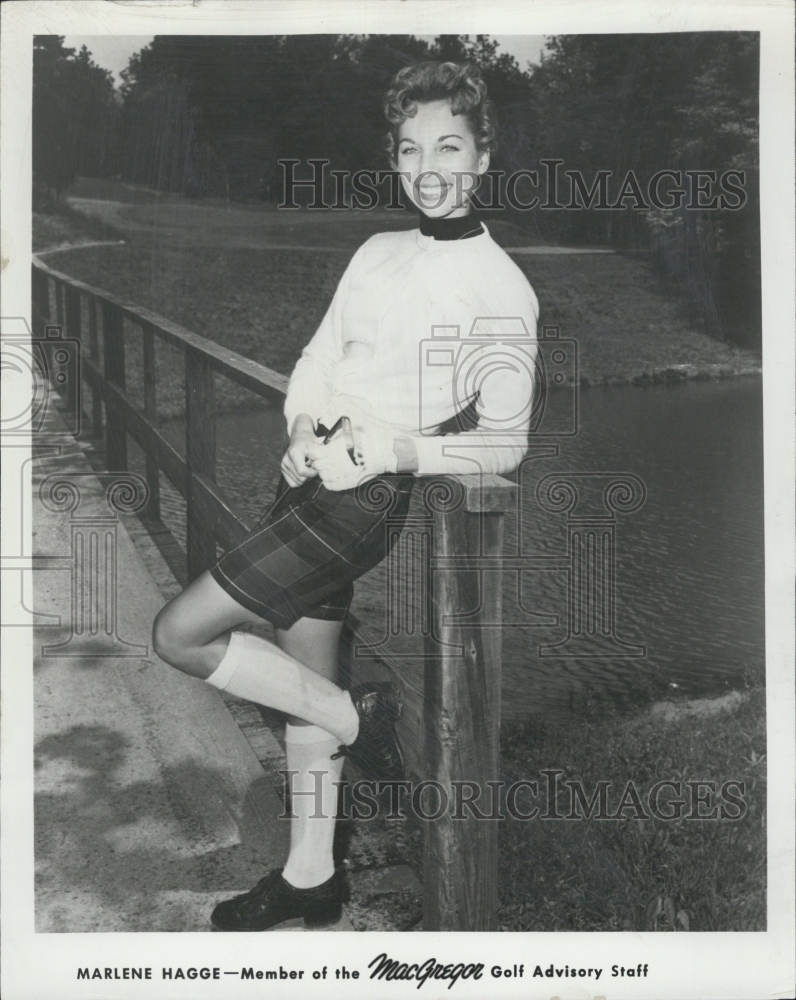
678 374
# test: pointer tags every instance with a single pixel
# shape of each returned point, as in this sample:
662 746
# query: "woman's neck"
461 227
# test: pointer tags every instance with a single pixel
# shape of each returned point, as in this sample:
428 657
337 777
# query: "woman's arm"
311 389
499 366
499 442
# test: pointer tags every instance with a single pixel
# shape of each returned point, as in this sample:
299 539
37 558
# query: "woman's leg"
187 636
312 771
314 642
192 633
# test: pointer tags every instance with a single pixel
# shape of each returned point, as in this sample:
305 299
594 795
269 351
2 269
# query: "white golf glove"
373 456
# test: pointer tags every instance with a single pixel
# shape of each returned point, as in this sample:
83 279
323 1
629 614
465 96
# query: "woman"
369 363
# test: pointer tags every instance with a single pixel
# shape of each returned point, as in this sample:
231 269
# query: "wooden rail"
452 714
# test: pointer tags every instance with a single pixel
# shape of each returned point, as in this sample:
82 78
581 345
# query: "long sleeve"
310 388
469 453
495 368
500 440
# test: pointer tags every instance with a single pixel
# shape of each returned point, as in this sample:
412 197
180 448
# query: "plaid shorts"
302 559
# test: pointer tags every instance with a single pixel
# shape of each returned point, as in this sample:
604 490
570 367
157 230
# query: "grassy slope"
625 326
609 875
67 226
266 303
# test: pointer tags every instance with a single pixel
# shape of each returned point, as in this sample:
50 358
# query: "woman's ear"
483 162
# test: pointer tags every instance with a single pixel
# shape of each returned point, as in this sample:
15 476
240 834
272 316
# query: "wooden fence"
452 714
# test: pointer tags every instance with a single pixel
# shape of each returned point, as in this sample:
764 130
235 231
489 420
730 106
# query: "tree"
75 116
661 101
249 101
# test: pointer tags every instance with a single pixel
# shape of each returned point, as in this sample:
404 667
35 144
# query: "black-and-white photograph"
393 506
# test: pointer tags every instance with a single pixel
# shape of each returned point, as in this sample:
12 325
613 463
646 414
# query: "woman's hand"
374 454
335 466
301 452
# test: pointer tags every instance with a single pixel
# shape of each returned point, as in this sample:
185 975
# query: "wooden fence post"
113 343
59 303
462 700
73 318
94 354
150 411
40 288
73 330
200 455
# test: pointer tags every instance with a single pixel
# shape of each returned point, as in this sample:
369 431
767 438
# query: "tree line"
211 116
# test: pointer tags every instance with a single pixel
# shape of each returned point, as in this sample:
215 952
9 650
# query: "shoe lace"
342 751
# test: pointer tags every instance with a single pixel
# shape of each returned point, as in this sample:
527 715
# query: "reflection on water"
689 562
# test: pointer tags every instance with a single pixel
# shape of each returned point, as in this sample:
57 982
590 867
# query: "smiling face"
439 160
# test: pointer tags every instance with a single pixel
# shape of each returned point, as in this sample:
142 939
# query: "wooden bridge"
449 666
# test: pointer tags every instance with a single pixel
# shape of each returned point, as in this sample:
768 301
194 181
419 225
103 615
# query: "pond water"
689 573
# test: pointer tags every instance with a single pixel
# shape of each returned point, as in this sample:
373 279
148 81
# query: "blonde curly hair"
459 84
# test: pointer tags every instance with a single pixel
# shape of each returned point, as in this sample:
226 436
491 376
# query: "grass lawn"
638 874
628 873
219 223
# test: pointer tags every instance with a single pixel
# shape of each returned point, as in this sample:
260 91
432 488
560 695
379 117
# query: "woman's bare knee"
181 647
192 631
169 641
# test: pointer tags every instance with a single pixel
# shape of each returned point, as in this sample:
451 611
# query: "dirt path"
231 228
78 245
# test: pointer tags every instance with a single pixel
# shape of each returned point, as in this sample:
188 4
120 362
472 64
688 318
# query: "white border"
724 966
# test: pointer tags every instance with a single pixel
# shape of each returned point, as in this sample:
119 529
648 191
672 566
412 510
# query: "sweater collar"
461 228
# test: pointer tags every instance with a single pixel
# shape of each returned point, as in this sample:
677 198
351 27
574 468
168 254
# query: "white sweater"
416 330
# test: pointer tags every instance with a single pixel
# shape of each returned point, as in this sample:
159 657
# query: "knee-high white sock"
314 804
259 671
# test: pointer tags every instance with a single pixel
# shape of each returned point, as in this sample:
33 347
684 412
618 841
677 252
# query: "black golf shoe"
273 900
376 750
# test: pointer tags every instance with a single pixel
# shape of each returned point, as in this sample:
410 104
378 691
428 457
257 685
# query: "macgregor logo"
390 968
